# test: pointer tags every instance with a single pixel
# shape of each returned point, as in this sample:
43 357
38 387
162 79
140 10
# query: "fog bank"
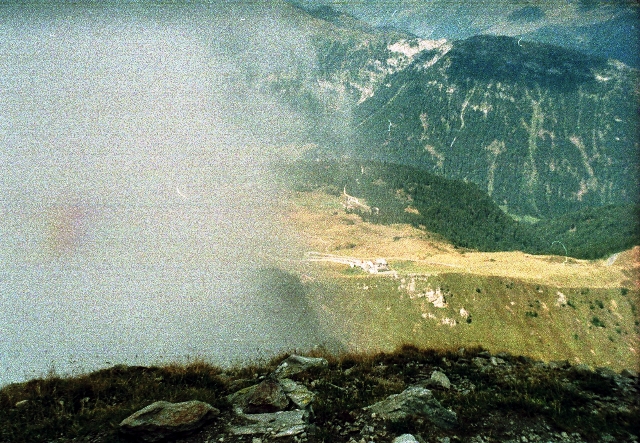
136 200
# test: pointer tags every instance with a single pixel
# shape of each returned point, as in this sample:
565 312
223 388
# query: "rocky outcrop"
400 398
415 400
262 408
162 420
295 364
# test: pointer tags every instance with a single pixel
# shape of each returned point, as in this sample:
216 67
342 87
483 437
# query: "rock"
162 420
297 363
297 393
629 373
405 438
414 400
270 396
278 424
240 398
267 396
480 362
559 364
607 373
440 380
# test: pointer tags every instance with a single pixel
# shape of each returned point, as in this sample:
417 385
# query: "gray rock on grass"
277 424
405 438
267 396
415 400
297 363
162 420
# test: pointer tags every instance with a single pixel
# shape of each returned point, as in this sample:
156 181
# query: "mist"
138 210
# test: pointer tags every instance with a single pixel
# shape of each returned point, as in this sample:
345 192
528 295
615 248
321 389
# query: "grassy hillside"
548 307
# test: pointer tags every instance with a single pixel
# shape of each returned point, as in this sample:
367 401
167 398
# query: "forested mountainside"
541 129
464 214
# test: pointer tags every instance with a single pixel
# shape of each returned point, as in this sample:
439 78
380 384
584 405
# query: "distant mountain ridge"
542 129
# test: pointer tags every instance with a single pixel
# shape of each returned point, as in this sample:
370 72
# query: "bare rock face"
414 400
162 420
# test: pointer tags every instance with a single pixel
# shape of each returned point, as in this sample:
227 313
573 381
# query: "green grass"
380 313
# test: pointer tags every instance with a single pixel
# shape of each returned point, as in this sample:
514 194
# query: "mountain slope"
462 213
543 129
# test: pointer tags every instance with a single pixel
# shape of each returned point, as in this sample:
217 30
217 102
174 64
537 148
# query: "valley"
548 307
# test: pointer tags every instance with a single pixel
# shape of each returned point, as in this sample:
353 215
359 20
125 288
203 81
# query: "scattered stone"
562 364
297 393
480 362
22 403
277 424
607 373
405 438
297 363
267 396
414 400
240 399
438 380
581 369
162 420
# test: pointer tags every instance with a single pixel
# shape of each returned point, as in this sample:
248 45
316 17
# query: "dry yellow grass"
321 225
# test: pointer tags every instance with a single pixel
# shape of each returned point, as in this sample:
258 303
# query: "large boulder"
415 400
162 420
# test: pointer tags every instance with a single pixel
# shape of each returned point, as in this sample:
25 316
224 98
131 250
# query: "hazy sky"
136 205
